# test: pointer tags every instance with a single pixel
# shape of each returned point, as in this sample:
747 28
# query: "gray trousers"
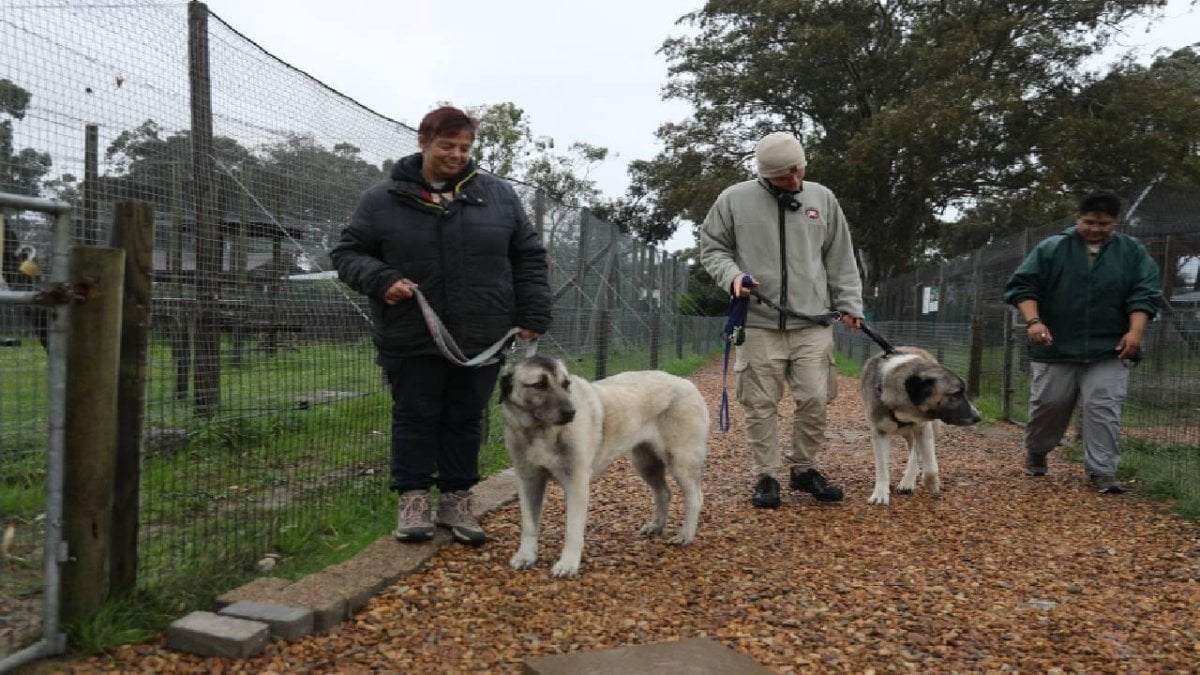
1099 388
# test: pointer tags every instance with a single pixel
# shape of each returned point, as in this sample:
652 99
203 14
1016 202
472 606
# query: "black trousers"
437 414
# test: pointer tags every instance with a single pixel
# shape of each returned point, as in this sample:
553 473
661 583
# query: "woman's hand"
400 291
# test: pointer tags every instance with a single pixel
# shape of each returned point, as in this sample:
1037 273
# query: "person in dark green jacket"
1086 295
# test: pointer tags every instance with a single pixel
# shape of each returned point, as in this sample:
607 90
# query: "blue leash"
734 334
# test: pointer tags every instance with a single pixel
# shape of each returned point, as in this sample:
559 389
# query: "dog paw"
905 489
933 483
651 528
880 497
522 561
564 569
681 539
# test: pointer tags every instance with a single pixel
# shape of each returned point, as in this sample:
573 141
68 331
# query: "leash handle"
723 411
449 348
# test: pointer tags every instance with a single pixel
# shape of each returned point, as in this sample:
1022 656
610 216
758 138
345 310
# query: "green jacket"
1086 310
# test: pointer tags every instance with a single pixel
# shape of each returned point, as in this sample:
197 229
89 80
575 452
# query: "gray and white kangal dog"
906 394
562 427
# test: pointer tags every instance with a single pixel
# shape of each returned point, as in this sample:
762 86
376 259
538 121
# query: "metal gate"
20 466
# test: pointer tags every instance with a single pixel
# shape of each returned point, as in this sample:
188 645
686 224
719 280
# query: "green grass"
847 366
347 523
1165 472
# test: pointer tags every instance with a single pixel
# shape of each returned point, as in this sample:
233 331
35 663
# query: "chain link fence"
264 409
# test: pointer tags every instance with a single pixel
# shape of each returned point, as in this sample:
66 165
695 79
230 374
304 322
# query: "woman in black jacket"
464 240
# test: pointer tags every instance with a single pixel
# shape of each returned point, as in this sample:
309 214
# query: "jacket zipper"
783 274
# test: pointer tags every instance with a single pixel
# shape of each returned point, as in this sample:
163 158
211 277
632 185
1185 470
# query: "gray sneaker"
412 517
454 512
1106 485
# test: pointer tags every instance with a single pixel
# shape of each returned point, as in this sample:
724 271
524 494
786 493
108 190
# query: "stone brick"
209 634
286 623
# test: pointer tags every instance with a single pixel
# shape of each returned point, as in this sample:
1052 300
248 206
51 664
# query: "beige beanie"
777 153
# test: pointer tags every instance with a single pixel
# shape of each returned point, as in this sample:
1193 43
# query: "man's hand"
1130 345
854 322
741 290
400 291
526 334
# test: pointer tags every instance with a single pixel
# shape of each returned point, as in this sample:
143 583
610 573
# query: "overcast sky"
582 71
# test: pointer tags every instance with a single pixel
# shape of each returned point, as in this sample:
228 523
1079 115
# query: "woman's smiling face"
444 157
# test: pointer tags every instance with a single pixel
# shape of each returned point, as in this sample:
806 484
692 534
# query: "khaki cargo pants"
800 359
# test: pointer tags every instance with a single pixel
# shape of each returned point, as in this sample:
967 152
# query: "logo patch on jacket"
812 213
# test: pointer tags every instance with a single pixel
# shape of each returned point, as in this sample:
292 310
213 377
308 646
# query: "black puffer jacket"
477 260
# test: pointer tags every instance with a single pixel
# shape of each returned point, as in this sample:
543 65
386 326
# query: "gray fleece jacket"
803 259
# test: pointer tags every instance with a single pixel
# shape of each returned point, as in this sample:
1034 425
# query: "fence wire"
264 409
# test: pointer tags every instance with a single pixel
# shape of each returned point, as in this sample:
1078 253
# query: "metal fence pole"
90 231
54 547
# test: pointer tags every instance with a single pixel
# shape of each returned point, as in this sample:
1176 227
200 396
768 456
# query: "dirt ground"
1002 573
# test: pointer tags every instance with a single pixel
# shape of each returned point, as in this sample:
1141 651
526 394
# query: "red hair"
446 121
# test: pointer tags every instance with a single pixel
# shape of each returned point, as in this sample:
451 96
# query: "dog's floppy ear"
506 385
919 388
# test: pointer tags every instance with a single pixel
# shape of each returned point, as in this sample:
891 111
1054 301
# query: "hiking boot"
1035 465
412 517
812 482
766 493
454 512
1106 485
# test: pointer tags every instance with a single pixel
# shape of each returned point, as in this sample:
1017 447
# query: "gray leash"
450 349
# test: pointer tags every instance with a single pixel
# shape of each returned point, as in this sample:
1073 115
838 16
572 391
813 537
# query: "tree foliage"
912 111
294 179
505 145
21 171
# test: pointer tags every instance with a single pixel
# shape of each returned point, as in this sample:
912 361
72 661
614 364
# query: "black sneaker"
812 482
1106 485
766 493
1035 465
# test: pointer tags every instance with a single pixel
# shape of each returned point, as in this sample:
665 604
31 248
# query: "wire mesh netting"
264 409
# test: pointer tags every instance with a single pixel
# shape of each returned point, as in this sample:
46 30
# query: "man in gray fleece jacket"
788 238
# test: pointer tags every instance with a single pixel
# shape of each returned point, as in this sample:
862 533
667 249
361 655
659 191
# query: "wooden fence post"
91 417
975 358
133 231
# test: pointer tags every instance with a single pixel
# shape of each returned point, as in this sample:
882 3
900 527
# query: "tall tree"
504 141
506 146
315 186
908 109
20 171
1121 131
150 164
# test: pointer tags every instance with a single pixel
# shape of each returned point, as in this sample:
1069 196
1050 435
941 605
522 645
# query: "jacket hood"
408 169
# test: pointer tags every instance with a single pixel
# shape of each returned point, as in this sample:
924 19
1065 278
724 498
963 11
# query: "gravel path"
1003 573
